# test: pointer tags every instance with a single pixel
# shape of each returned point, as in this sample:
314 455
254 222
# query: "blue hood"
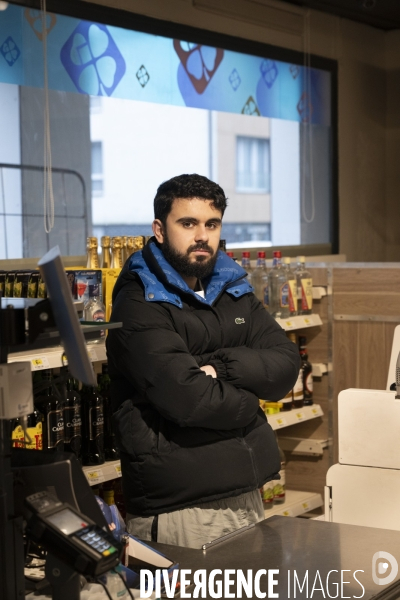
227 275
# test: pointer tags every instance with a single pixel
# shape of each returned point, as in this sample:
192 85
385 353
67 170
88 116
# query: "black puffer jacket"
186 437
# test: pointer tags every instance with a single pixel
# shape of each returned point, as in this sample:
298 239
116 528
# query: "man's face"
190 238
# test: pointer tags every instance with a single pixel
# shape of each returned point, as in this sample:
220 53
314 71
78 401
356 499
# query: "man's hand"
209 370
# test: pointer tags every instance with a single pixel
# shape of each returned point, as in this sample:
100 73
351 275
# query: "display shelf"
296 503
51 358
108 470
300 322
296 415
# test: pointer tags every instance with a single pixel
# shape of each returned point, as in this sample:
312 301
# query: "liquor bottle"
222 245
278 288
306 370
49 402
230 253
267 494
246 263
304 287
134 244
105 252
92 253
298 390
280 484
124 242
292 289
72 416
111 451
116 253
92 426
259 280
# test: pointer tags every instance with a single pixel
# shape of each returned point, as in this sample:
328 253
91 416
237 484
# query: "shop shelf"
296 415
300 322
109 470
296 503
51 358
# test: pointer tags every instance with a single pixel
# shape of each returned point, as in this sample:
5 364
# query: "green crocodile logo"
239 321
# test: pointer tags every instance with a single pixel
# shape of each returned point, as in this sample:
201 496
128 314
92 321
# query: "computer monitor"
57 472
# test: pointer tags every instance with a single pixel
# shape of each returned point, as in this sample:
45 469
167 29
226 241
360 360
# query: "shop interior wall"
368 94
365 312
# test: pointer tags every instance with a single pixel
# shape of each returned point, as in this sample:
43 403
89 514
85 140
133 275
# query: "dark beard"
201 268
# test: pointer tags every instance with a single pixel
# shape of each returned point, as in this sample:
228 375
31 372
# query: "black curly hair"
187 186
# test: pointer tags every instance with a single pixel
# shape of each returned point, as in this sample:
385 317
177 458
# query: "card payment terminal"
71 536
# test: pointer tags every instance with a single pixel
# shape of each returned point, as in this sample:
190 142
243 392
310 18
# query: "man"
196 352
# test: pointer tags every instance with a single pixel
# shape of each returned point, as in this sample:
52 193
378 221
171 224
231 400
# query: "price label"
287 513
280 422
289 324
316 412
307 321
64 360
306 506
118 470
92 354
40 363
299 416
94 476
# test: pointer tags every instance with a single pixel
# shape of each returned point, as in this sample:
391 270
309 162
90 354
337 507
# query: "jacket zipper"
250 450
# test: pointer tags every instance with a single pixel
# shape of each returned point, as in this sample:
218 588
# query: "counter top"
301 546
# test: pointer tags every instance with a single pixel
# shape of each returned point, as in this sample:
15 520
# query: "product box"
110 276
21 282
33 284
85 283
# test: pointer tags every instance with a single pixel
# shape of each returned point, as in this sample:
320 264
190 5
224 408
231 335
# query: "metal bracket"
303 446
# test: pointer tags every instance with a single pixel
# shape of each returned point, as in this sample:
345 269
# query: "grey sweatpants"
192 527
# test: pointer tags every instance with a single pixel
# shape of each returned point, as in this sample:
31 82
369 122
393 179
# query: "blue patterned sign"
92 59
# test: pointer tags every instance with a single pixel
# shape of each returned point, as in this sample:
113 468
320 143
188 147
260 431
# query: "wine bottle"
92 426
49 402
111 451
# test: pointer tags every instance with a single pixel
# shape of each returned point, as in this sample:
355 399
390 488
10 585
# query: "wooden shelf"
296 415
296 503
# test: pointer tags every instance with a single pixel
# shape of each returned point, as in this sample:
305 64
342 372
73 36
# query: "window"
252 165
97 168
249 116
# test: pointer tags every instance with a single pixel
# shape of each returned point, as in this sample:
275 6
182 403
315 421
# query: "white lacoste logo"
239 321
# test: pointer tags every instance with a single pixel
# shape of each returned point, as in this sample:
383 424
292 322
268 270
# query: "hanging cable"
48 195
3 196
307 135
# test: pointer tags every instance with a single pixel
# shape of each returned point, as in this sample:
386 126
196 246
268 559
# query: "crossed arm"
158 364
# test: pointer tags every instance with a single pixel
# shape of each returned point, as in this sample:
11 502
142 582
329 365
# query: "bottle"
267 494
116 253
92 426
230 253
298 390
115 586
124 242
278 288
95 310
222 245
259 280
72 416
280 484
304 287
246 262
292 289
49 403
111 451
306 370
92 253
105 252
134 244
